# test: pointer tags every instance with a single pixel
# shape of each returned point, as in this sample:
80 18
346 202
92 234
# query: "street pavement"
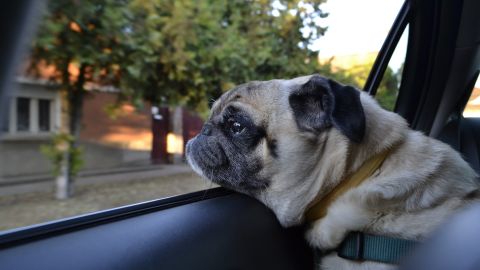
98 192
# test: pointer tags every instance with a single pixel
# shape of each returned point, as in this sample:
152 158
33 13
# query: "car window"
352 48
387 91
110 91
473 105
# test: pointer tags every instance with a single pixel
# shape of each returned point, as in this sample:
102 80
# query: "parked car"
220 229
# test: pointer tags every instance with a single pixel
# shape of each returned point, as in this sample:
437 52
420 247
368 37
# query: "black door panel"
226 232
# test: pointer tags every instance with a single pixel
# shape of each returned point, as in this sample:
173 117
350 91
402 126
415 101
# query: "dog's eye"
235 126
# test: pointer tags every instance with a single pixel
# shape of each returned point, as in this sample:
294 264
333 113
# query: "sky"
359 26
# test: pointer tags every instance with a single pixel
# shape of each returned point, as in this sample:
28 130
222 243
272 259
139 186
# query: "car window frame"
389 45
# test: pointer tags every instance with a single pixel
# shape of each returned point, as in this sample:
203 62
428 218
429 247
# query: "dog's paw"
344 216
324 235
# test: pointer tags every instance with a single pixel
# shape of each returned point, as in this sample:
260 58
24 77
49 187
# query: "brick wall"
128 129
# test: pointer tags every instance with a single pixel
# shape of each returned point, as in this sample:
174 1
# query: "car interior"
220 229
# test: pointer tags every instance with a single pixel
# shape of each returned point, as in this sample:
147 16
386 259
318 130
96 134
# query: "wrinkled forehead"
245 93
258 95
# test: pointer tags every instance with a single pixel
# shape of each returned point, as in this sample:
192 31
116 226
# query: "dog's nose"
207 130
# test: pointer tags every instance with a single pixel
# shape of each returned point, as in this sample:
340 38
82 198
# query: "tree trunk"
62 185
75 94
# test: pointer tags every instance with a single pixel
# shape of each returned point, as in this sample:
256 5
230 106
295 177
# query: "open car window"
109 92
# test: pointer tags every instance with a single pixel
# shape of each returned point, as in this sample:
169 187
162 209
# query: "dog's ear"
321 103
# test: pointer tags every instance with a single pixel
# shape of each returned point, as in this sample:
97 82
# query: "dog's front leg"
346 214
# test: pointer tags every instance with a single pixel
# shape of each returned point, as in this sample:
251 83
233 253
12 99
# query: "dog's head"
267 136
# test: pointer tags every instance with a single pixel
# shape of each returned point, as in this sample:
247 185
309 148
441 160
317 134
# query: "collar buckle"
353 249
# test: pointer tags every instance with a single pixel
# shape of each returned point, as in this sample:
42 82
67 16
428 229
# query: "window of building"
4 119
44 114
30 116
23 114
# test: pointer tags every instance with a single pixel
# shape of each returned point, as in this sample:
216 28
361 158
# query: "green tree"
193 51
388 89
80 39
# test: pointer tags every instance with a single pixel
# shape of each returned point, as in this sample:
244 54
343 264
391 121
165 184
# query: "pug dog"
291 143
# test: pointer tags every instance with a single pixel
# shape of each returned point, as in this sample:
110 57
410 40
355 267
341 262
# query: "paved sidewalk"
94 193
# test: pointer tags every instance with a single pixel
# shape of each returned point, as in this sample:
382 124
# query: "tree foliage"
192 51
387 91
84 35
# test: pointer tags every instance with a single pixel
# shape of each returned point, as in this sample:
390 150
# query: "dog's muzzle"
206 152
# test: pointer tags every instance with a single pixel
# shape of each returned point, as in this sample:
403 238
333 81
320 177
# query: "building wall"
20 150
34 91
22 158
100 156
107 142
125 126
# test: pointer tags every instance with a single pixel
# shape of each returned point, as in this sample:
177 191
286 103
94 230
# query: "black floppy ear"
321 103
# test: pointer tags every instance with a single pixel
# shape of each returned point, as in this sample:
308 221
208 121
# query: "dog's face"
264 136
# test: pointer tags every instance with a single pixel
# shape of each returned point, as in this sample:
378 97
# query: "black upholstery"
227 232
463 135
454 246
